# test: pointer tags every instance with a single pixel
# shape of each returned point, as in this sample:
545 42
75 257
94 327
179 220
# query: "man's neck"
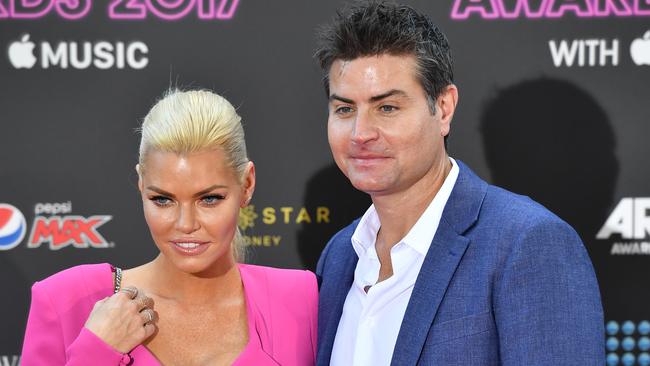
398 212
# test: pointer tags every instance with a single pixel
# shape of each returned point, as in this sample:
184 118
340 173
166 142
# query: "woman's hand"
123 320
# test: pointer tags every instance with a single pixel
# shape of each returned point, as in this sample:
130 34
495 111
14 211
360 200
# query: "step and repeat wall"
554 104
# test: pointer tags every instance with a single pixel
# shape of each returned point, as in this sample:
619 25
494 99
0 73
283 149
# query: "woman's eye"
160 200
212 200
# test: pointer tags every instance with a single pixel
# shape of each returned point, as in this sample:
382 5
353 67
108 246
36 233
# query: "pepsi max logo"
62 231
12 226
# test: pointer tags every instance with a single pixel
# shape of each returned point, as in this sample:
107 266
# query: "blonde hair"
191 121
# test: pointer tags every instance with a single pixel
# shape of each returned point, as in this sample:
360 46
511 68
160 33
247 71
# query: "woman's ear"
140 183
248 184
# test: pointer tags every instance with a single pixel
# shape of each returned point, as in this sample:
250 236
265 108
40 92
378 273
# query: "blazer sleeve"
312 294
44 342
321 264
547 301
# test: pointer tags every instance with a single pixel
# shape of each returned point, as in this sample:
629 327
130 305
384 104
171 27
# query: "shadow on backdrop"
329 188
550 140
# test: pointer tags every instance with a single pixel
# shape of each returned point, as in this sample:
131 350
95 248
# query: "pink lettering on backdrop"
557 8
604 8
73 9
120 9
170 9
127 9
533 9
463 8
3 11
225 11
642 7
29 9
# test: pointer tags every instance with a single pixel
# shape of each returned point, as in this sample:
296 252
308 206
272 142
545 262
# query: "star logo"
247 217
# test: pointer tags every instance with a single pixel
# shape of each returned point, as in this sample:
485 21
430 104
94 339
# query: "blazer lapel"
447 248
440 263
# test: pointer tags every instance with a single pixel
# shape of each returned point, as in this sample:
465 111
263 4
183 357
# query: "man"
443 269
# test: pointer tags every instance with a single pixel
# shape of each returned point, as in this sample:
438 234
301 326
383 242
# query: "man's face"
380 127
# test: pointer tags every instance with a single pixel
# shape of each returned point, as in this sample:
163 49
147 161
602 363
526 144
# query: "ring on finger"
131 291
143 302
148 316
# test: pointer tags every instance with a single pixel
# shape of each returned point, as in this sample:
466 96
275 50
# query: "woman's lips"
190 247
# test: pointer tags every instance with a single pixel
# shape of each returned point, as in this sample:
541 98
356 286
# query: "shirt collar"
421 234
365 234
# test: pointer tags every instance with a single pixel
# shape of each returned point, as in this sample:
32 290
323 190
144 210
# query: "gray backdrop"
572 135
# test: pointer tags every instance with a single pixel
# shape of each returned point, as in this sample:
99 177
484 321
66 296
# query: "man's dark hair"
372 28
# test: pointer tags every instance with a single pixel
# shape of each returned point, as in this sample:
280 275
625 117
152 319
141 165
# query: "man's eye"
388 108
343 110
212 199
160 200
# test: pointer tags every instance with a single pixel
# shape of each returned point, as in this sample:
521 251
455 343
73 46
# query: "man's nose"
364 128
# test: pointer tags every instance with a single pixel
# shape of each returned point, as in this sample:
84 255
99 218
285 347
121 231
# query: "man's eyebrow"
197 194
344 100
390 93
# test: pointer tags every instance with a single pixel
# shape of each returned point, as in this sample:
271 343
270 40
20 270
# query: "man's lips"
368 156
367 159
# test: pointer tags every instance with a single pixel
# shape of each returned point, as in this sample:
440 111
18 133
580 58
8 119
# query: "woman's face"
191 204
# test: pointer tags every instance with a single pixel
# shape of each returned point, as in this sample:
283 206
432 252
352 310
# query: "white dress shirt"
370 322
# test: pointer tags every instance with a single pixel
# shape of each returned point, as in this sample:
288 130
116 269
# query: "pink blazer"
281 304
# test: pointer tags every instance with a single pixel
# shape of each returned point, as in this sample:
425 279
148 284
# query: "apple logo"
640 50
21 53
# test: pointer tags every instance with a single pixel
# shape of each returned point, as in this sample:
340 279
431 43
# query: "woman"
193 304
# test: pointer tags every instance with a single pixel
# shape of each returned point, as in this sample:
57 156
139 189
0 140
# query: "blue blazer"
505 282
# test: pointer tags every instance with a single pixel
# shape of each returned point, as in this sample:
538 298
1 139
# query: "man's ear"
447 102
248 184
